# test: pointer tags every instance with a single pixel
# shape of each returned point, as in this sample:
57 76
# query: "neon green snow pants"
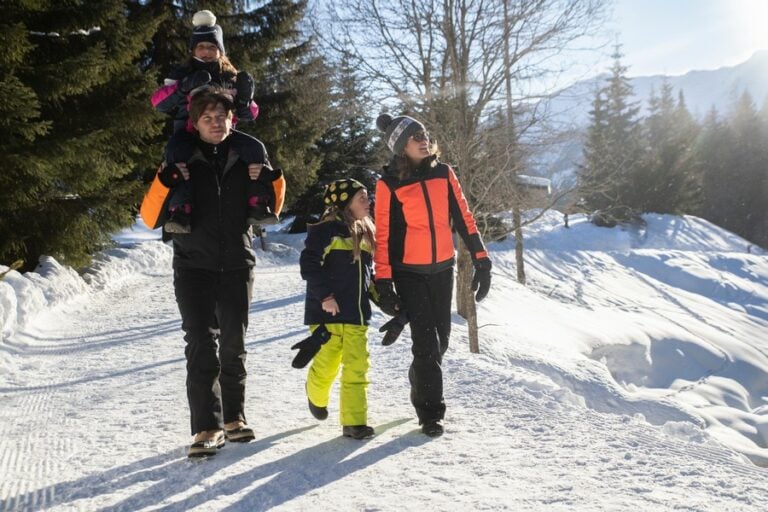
348 349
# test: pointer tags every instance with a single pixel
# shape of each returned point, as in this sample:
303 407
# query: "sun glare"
749 19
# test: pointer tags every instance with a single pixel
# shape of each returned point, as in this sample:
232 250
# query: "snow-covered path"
96 419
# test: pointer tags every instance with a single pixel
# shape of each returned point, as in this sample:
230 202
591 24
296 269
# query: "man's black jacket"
220 238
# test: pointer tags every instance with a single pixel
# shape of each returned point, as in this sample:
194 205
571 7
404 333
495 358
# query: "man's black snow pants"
215 381
427 299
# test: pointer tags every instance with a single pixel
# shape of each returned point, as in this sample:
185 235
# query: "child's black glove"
309 347
481 280
244 86
393 328
170 176
388 302
197 79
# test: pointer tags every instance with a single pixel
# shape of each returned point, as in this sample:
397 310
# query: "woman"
418 199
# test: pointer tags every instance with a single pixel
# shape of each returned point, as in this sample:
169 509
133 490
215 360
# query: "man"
212 272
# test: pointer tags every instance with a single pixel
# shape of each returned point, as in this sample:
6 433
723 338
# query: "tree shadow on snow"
170 471
187 473
63 345
134 370
92 485
262 306
298 473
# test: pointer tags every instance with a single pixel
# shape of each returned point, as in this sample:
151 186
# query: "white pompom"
204 19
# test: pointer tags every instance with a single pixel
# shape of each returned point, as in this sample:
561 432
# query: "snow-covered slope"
673 319
630 373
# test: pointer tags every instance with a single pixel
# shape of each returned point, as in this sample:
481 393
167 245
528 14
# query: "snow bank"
669 321
22 296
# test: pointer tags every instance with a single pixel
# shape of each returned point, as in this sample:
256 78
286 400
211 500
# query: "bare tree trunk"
465 299
516 217
461 298
520 262
474 337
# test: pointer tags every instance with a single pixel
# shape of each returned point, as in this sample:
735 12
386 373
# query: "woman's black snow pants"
427 300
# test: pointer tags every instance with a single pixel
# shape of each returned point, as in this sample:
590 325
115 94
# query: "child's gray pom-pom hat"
206 30
398 130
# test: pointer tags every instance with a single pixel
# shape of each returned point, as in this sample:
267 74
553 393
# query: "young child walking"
336 263
208 65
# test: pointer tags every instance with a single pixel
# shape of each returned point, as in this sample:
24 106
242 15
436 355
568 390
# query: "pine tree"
608 177
296 115
595 173
761 225
688 130
764 113
75 126
291 78
346 149
712 160
732 160
749 171
665 182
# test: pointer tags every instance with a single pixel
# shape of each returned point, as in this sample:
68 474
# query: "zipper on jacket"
432 234
360 288
221 216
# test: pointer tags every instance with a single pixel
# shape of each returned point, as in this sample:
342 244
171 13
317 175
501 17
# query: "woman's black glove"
393 328
309 347
197 79
388 302
481 281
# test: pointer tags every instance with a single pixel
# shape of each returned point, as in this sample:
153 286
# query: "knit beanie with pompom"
206 31
398 130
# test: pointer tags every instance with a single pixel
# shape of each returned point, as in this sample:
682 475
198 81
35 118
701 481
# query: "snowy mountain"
631 373
569 110
703 89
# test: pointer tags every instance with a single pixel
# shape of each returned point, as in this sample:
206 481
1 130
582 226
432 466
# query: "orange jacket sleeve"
382 265
463 221
278 186
153 206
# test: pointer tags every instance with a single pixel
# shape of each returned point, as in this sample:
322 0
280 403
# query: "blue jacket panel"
327 266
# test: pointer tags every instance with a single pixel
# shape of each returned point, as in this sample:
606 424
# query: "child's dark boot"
259 212
180 220
358 431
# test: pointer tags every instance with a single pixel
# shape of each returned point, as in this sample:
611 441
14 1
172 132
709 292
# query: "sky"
630 373
675 36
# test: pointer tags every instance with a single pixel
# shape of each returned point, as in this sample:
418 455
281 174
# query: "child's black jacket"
327 266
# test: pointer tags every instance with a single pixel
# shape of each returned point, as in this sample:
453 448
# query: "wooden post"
519 261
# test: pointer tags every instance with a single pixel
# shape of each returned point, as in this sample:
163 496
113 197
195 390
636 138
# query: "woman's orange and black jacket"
414 217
